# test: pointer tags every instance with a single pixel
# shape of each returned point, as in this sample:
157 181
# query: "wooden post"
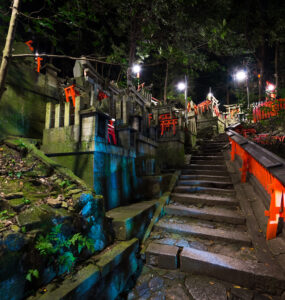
66 114
48 115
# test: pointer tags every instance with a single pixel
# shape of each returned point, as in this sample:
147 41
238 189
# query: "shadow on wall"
115 178
22 107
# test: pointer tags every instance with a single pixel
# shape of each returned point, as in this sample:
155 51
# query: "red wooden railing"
271 184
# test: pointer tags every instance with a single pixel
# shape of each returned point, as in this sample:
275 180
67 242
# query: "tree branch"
64 56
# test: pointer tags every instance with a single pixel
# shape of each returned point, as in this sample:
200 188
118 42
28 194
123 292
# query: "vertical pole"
186 104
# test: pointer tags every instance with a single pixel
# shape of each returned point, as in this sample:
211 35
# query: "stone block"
163 256
263 277
132 221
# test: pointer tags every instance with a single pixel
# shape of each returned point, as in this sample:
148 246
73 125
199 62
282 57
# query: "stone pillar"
48 115
76 111
57 116
156 117
125 120
66 114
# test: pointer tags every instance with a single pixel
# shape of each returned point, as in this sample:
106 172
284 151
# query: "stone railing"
62 114
268 169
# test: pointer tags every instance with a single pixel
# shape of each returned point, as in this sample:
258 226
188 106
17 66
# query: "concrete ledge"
131 221
162 256
82 284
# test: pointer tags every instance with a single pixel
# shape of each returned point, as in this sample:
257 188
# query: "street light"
136 69
182 86
241 76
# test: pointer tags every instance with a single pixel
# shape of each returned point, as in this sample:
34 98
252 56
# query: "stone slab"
163 256
200 288
206 213
203 189
206 161
204 172
220 167
205 177
204 232
208 157
207 183
203 199
265 278
131 220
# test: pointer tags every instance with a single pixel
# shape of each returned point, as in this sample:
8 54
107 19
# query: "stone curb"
163 200
79 285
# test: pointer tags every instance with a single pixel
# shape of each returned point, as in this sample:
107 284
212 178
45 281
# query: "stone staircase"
204 230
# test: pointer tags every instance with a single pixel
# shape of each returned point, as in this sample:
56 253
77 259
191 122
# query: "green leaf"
29 277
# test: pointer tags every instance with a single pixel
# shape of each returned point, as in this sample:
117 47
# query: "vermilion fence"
268 169
267 109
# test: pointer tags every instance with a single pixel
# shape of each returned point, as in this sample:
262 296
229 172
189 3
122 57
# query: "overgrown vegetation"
60 250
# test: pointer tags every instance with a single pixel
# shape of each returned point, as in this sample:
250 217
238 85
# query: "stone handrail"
269 170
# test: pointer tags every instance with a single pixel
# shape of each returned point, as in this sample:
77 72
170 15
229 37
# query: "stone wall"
22 107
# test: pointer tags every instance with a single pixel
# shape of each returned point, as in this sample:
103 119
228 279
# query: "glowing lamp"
136 68
181 86
241 75
270 87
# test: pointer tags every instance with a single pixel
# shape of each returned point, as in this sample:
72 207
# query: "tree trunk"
261 71
8 47
165 84
276 64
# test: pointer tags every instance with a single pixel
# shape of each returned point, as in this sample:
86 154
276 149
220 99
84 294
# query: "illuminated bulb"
271 87
181 86
241 75
136 68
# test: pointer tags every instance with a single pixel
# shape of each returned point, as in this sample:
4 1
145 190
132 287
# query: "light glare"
271 87
241 75
136 68
181 86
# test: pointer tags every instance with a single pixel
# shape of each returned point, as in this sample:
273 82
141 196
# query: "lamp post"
183 86
241 76
136 69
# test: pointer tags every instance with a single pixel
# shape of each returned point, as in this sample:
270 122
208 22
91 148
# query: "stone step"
259 276
205 177
206 162
207 183
209 157
189 171
162 256
230 236
203 199
206 213
211 147
220 167
202 189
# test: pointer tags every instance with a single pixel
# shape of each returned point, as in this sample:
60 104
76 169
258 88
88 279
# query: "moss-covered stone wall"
22 107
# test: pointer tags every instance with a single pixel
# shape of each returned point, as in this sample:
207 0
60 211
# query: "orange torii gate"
166 122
